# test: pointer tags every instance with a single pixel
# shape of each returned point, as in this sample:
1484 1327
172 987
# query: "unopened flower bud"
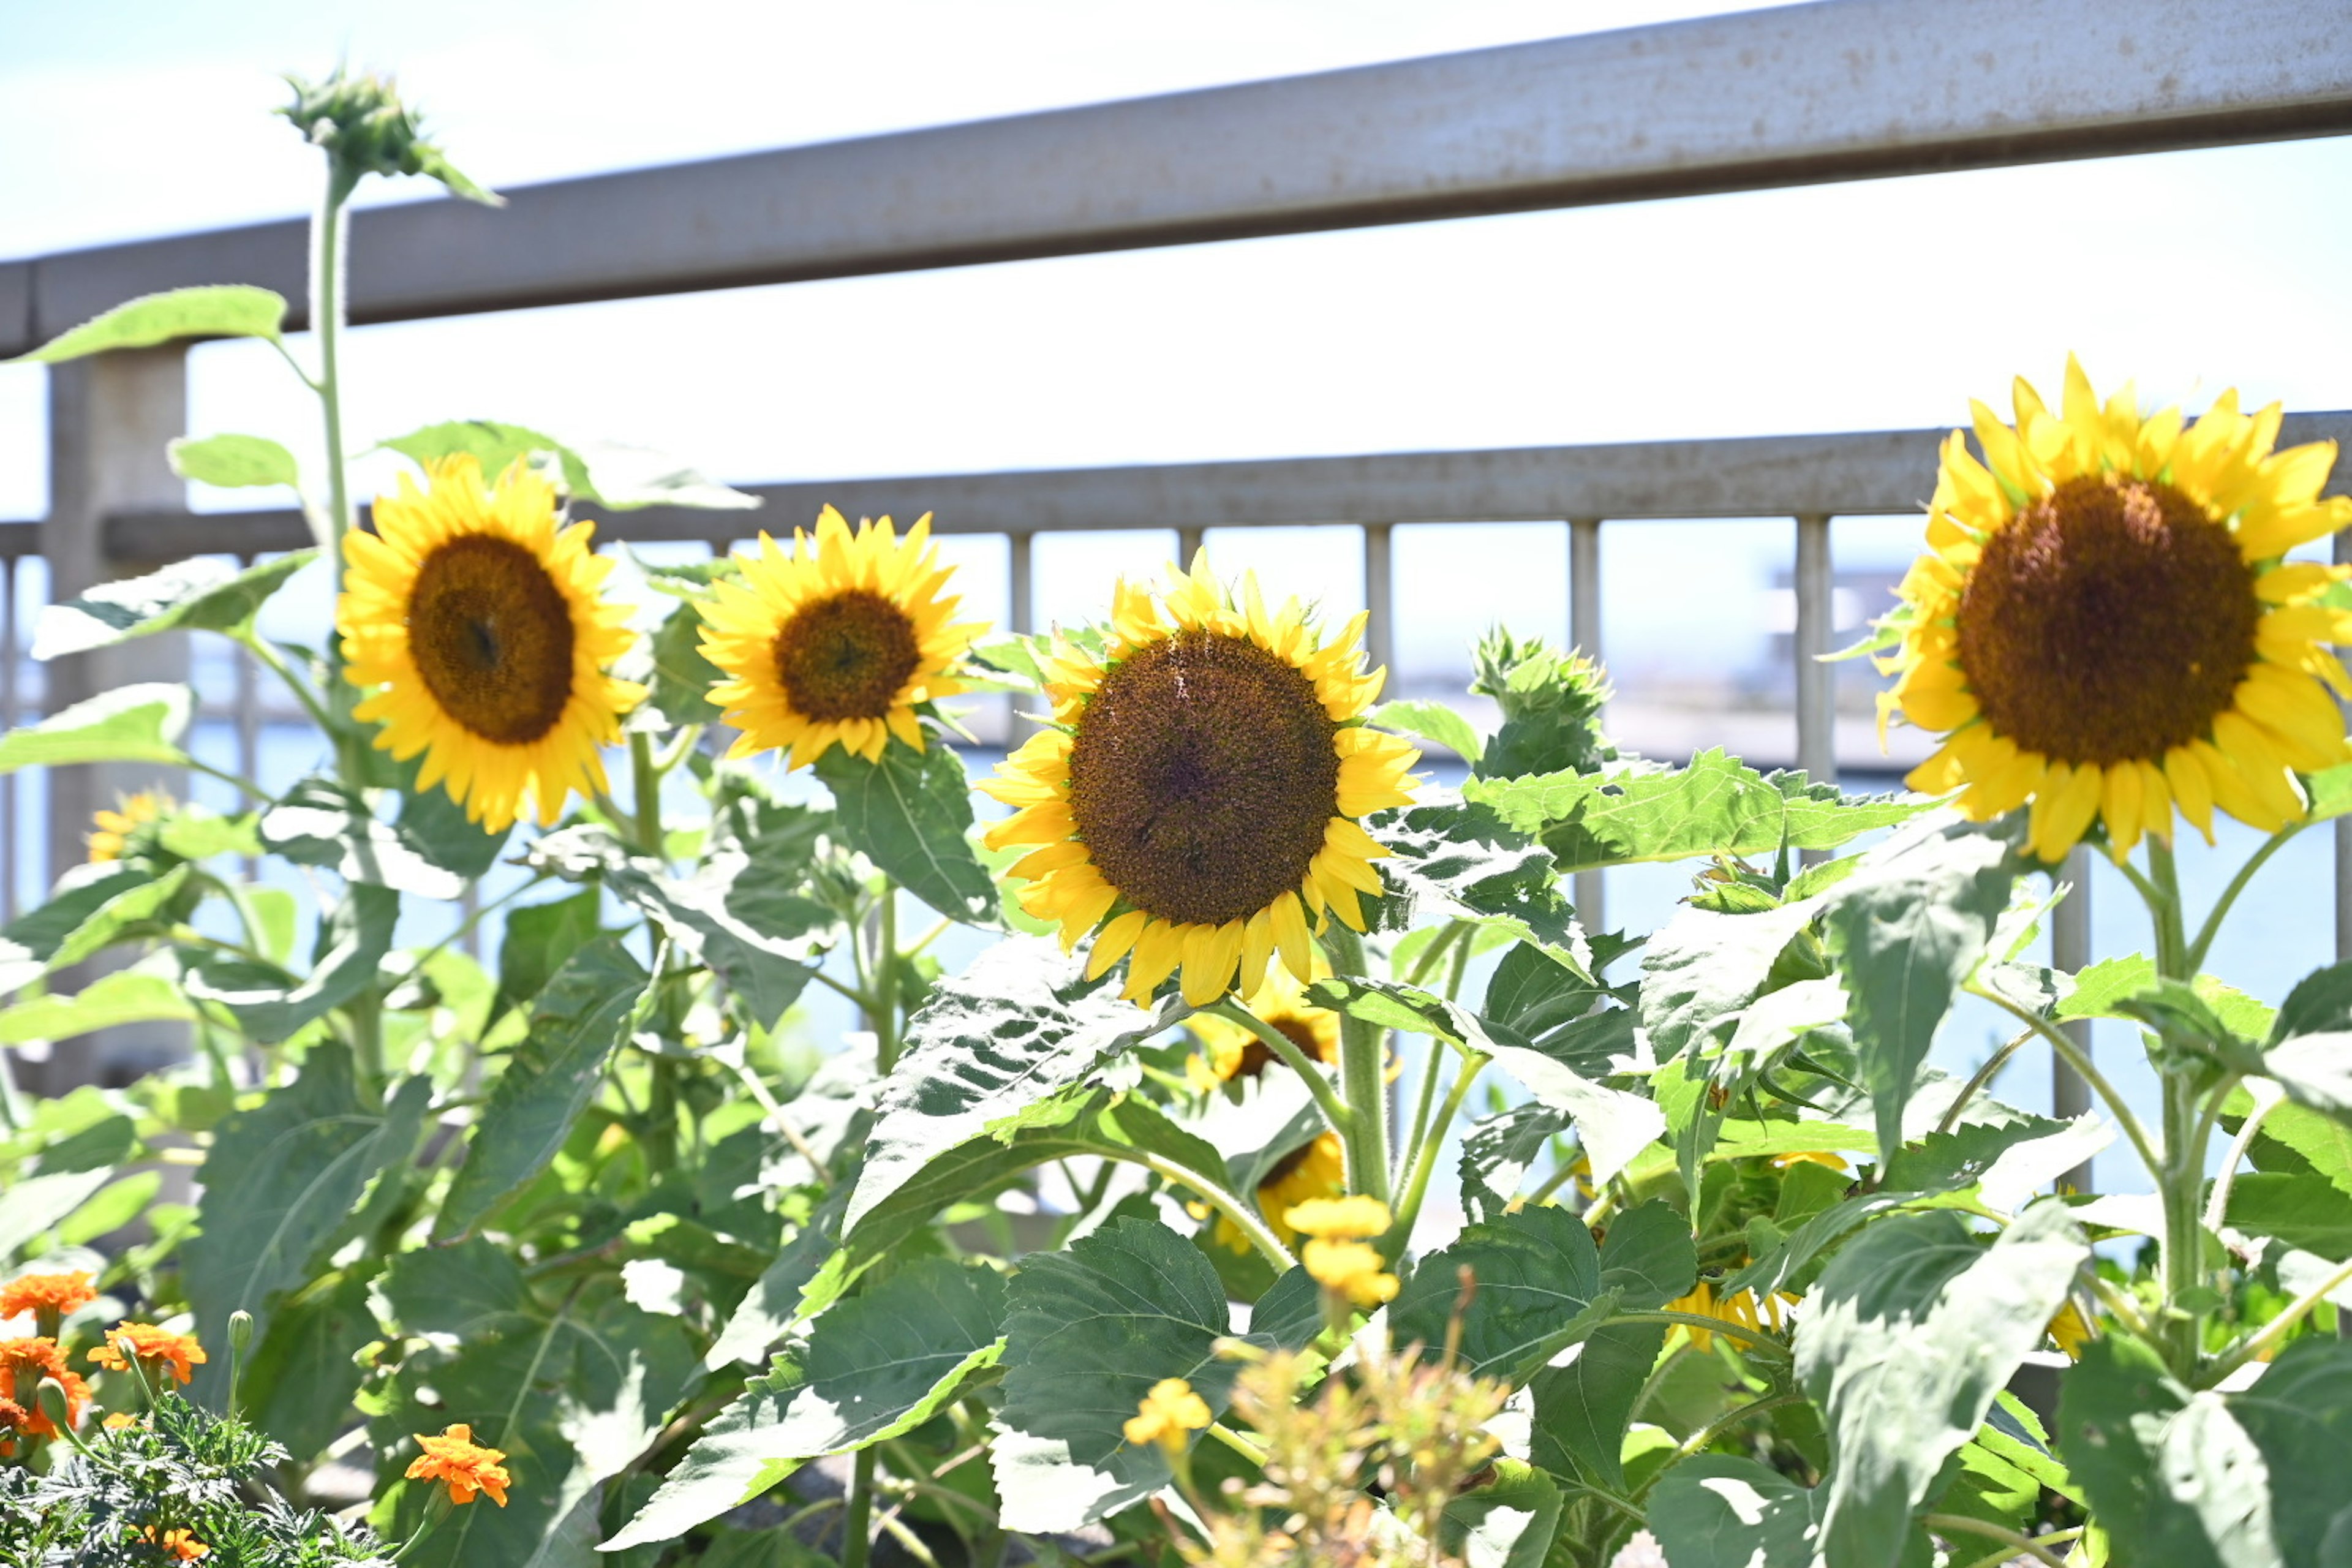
56 1408
240 1330
361 122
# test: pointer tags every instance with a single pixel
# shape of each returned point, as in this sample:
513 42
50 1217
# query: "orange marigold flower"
22 1364
179 1544
119 1420
14 1418
49 1295
456 1460
154 1349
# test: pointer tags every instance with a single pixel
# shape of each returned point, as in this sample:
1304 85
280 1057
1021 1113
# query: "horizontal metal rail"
1876 473
1798 95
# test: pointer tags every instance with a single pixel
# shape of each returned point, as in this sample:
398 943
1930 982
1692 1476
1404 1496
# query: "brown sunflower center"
1201 777
846 657
492 636
2110 621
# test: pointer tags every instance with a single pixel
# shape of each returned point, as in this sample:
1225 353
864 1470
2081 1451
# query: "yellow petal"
2192 789
2064 810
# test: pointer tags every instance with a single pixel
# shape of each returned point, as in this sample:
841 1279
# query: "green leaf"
741 911
435 826
910 814
577 1022
2008 1157
320 823
1613 1124
1639 812
1430 721
137 723
299 1385
214 310
2208 1479
1088 1332
875 1366
1550 704
1498 1151
2294 1140
495 446
787 1290
1910 1332
615 477
92 904
125 996
280 1184
2316 1070
1704 967
1017 1025
1582 1409
201 594
1077 1121
1713 1511
271 1006
232 462
1539 1290
727 1466
1905 930
1453 859
1507 1523
538 938
2307 1212
677 678
34 1205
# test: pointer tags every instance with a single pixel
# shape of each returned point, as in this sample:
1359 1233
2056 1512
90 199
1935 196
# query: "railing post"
1189 544
1590 889
1380 601
2070 950
1816 693
110 418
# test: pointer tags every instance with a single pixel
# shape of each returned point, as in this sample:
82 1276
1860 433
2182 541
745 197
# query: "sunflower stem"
1363 1074
884 1015
2180 1179
1424 1162
857 1522
1287 1051
645 783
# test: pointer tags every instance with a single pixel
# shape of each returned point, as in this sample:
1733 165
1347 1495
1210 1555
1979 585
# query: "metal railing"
1840 90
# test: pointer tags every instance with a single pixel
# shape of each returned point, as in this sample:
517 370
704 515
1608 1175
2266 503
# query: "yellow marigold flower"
1343 1219
1739 1309
47 1297
181 1545
1166 1413
154 1350
1314 1170
838 643
119 1421
1349 1268
457 1462
2105 628
115 827
475 623
1229 1051
1195 803
22 1364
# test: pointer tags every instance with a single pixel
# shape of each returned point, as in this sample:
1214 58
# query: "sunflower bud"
366 129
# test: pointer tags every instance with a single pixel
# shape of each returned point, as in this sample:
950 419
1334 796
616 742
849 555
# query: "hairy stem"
1363 1076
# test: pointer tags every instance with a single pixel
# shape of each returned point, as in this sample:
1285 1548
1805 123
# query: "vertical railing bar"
1190 542
2070 950
2344 869
1590 888
1020 580
1380 603
1816 717
8 714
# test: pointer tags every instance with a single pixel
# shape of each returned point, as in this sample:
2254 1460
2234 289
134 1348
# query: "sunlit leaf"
212 311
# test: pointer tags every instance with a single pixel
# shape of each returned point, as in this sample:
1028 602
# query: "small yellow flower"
1166 1413
1340 1219
115 827
458 1463
155 1350
119 1420
1349 1268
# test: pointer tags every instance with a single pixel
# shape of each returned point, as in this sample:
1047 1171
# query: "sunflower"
2104 626
836 644
114 828
1229 1051
1196 797
475 624
1316 1169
